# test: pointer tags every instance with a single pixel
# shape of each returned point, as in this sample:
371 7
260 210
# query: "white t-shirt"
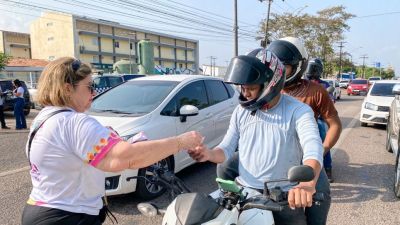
63 156
22 91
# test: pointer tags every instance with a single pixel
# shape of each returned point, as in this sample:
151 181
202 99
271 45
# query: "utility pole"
265 41
214 58
340 56
363 67
235 29
212 61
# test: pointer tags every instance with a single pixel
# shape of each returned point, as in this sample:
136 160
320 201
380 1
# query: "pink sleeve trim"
112 140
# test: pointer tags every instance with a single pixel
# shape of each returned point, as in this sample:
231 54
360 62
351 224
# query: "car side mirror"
301 173
188 110
396 89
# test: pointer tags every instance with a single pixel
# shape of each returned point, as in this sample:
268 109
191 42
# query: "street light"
130 50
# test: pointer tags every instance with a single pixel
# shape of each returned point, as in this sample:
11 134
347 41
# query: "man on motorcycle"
271 131
313 74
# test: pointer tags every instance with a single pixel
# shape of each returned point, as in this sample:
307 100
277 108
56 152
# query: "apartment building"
15 44
103 43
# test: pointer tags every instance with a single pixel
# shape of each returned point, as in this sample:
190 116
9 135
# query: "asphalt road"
362 191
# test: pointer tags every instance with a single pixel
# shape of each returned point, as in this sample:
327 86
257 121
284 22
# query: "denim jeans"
19 113
315 215
322 132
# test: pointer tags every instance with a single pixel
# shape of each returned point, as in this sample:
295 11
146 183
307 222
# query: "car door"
195 94
222 104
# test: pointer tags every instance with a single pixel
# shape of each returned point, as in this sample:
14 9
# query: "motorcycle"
231 204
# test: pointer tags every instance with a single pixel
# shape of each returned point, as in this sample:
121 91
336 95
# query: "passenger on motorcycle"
313 73
293 54
271 131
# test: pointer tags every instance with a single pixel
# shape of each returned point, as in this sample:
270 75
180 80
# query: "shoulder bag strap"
37 128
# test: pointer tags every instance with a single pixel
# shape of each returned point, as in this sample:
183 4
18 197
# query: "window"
49 24
95 59
95 41
114 81
50 38
230 89
116 44
51 57
192 94
216 91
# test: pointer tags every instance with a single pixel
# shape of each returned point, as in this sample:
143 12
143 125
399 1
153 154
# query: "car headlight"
371 106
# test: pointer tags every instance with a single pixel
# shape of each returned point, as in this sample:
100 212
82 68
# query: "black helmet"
314 69
258 67
291 51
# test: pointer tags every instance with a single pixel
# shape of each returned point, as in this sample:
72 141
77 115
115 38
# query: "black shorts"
39 215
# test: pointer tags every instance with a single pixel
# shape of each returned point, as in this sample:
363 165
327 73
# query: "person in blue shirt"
271 131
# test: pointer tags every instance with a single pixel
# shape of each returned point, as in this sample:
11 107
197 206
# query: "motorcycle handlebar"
264 203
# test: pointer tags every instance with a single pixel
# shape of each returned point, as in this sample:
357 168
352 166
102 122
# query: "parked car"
357 87
335 84
393 136
7 85
155 105
344 83
376 105
371 80
104 82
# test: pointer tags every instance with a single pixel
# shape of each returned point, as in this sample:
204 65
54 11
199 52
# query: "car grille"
383 108
379 120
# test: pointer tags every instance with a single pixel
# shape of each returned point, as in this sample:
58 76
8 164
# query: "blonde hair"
55 76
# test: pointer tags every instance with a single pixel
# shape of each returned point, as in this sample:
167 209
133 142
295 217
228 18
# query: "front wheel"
363 124
397 178
147 190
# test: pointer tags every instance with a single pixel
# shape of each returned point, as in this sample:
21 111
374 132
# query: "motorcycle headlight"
371 106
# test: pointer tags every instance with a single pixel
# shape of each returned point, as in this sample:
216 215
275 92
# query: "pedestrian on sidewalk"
2 120
19 103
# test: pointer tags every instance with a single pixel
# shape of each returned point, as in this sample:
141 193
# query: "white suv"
153 104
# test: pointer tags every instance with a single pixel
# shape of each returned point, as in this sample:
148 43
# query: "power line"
374 15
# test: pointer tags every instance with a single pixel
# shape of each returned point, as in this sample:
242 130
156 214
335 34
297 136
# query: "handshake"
193 142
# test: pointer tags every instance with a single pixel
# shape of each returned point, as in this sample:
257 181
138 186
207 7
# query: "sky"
373 32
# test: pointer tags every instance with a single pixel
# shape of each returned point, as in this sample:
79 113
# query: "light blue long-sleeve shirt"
271 142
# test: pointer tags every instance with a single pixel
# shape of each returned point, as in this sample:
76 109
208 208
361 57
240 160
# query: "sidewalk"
10 121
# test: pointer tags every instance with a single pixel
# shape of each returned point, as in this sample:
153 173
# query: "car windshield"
382 89
374 78
359 82
133 97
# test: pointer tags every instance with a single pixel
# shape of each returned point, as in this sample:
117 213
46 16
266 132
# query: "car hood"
123 125
380 100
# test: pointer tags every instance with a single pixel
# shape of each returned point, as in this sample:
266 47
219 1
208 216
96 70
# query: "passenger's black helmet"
291 51
258 67
314 69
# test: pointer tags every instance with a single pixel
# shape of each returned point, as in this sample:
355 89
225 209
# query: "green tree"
4 60
320 32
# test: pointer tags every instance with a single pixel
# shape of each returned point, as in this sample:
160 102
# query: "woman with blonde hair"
69 151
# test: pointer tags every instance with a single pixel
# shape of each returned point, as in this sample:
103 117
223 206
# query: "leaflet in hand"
141 136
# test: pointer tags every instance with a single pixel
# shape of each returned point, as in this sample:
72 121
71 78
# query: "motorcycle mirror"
147 209
330 89
300 174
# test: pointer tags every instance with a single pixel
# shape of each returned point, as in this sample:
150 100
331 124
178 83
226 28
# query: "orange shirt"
313 95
